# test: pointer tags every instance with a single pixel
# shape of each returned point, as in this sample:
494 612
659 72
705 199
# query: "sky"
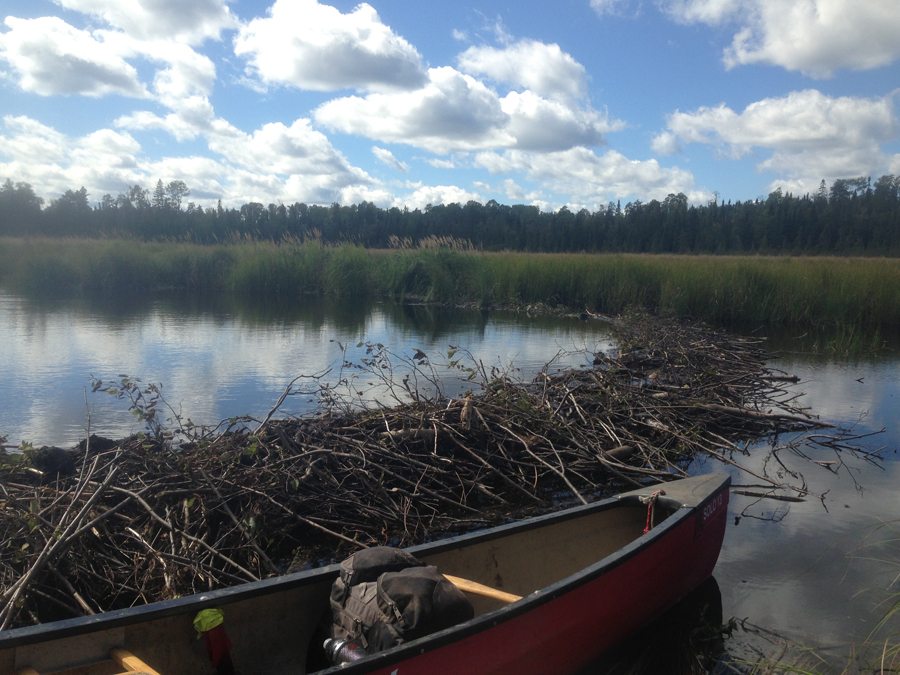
407 103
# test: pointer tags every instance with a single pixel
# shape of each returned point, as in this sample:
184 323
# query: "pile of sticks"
147 519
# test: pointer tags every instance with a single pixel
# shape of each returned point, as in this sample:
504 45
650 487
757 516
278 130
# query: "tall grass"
852 294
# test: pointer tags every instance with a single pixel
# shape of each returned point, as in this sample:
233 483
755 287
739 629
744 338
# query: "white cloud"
174 20
894 165
387 158
611 7
711 12
183 86
297 151
513 190
194 116
546 125
815 37
456 112
313 46
665 143
51 57
31 142
208 179
188 73
798 186
588 178
275 163
812 135
496 27
379 196
453 112
440 194
542 68
103 161
442 163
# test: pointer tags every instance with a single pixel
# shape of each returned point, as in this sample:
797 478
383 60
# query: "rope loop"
651 506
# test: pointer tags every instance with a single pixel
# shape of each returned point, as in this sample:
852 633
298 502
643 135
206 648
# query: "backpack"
384 597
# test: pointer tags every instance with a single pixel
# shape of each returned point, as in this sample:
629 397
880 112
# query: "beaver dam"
185 509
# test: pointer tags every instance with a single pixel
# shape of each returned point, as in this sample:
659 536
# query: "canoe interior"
272 633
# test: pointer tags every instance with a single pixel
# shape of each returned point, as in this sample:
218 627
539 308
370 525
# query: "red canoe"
588 577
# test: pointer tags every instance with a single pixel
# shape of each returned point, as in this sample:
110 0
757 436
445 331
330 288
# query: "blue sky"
406 103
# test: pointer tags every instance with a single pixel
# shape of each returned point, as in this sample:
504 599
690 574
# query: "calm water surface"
221 357
813 572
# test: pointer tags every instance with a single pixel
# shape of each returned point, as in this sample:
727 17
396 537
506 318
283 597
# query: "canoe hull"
572 630
600 580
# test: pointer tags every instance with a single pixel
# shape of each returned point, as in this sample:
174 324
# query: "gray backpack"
384 597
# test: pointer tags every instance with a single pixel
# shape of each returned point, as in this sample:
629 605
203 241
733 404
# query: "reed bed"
850 294
182 509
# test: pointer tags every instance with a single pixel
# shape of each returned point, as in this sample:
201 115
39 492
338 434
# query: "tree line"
855 216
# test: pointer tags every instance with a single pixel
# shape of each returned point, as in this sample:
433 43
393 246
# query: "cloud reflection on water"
220 359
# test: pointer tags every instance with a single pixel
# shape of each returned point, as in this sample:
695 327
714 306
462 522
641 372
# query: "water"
817 572
812 572
221 357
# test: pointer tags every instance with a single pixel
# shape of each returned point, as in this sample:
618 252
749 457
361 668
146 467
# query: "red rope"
650 502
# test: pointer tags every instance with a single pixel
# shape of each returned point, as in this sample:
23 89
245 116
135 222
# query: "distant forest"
853 217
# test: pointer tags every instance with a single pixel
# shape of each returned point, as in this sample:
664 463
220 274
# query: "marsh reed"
849 294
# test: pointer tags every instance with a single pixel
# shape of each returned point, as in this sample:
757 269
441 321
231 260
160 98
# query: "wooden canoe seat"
125 659
480 589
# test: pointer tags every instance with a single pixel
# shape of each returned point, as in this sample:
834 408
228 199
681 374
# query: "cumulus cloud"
275 163
665 143
712 12
51 57
312 46
811 135
183 86
52 162
540 124
894 165
194 117
174 20
187 73
387 158
440 194
453 112
542 68
442 163
590 178
456 112
815 37
519 194
296 151
380 196
29 141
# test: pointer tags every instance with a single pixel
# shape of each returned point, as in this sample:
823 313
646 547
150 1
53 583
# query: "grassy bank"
848 293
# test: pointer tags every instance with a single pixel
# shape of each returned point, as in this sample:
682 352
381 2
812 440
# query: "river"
811 572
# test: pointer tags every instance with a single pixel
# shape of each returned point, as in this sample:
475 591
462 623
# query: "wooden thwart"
132 664
480 589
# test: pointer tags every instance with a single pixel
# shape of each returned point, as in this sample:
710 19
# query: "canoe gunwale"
681 511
